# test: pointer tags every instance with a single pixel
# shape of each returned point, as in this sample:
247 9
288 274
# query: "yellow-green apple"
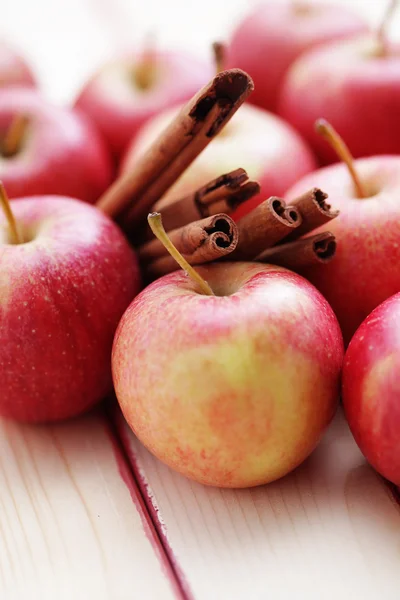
355 86
270 150
231 390
371 388
274 34
13 68
59 151
63 290
366 269
129 90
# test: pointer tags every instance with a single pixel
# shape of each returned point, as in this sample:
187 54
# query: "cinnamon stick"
319 248
222 194
199 242
132 195
314 210
265 226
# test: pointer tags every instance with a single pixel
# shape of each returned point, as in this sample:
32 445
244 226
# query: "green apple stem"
219 50
12 223
330 134
382 30
155 222
15 133
145 70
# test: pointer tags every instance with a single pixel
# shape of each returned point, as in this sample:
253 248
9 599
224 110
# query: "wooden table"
87 513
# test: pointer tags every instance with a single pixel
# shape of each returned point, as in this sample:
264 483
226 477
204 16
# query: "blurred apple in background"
270 150
232 390
62 294
274 34
366 268
131 89
356 86
371 388
13 68
57 150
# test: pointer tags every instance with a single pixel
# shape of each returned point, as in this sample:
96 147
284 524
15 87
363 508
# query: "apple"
231 390
63 290
366 268
355 86
13 68
59 151
129 90
270 150
274 34
371 388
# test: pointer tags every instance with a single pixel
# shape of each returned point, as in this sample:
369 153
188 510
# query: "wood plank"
329 530
72 523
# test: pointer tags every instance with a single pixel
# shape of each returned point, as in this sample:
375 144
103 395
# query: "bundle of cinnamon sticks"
257 236
199 224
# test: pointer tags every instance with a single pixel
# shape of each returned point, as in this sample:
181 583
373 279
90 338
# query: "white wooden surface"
328 531
72 526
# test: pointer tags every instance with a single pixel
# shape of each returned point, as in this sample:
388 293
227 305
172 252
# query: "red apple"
13 68
60 152
62 294
129 90
232 390
274 34
371 388
270 151
366 268
353 86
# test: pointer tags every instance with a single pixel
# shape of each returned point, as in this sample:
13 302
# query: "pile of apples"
233 382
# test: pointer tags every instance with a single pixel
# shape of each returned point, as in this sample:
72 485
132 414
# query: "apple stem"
14 135
155 222
219 51
12 223
330 134
382 30
144 72
301 8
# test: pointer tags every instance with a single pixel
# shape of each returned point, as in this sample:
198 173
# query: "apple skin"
231 391
371 388
274 34
62 153
366 267
271 152
61 298
119 108
13 68
355 90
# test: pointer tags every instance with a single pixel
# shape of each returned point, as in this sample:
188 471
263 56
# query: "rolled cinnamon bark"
199 242
133 194
221 195
318 248
314 210
265 226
